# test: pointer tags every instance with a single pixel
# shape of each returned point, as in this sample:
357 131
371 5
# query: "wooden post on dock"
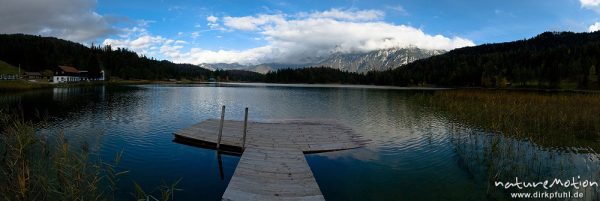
221 127
245 129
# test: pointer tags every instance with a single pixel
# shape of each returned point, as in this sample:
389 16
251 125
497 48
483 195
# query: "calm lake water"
416 153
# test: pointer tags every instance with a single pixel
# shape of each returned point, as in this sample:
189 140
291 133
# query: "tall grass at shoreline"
549 118
502 134
37 167
34 168
21 85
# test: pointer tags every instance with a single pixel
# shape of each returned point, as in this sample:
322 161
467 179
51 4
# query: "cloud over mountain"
303 37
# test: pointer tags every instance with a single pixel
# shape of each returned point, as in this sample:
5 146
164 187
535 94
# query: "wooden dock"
307 136
272 174
272 166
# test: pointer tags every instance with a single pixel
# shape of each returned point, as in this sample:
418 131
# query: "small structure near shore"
72 74
272 166
9 77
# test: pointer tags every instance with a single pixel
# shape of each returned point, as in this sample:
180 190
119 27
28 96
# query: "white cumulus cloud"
252 23
399 9
594 27
145 44
212 23
300 38
249 56
138 39
595 6
308 37
212 19
591 4
360 15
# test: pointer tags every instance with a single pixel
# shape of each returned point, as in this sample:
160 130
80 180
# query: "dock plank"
290 179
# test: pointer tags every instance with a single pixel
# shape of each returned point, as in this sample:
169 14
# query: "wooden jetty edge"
272 165
305 135
272 174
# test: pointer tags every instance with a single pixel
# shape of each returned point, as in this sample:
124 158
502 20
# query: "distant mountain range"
260 68
377 60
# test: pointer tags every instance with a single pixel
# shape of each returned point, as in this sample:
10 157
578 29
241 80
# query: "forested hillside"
315 75
549 60
35 53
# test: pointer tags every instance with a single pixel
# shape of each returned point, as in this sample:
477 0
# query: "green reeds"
553 119
33 167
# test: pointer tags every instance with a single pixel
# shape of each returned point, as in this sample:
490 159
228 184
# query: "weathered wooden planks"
272 174
307 136
272 166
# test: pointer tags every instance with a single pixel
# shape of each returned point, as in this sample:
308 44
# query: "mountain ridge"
376 60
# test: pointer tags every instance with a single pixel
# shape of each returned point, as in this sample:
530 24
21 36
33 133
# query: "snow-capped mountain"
223 66
260 68
378 60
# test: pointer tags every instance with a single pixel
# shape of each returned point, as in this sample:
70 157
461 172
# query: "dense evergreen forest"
315 75
35 53
549 60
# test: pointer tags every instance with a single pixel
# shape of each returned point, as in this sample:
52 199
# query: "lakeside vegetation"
39 167
35 168
554 119
499 135
21 85
24 85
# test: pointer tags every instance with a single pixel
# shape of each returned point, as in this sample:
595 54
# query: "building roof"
69 69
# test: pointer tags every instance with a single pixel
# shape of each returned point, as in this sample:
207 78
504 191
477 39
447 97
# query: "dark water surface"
416 152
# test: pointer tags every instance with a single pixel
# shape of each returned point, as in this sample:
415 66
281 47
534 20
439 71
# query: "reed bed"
534 135
20 85
549 118
33 169
36 167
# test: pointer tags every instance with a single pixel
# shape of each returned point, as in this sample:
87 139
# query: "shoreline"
24 85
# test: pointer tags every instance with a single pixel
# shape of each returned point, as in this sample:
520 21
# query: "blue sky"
250 32
480 21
